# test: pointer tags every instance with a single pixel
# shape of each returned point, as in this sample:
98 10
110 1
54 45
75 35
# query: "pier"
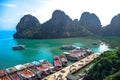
61 75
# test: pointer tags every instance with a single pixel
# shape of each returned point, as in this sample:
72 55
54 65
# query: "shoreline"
76 66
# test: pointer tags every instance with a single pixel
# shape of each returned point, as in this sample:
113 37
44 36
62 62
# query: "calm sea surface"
38 49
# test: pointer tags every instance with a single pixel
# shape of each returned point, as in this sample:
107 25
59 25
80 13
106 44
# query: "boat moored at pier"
48 65
12 72
71 57
3 75
33 68
77 54
25 73
57 63
44 69
63 60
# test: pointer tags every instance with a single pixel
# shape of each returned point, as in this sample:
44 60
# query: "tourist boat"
44 69
94 43
71 57
57 63
18 47
63 60
25 73
32 68
77 54
67 47
12 72
89 51
3 75
48 65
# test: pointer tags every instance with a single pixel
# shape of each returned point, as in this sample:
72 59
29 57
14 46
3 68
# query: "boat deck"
71 68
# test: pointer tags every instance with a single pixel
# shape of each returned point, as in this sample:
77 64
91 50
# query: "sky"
12 10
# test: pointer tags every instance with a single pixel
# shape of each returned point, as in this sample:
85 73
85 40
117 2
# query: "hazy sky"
12 10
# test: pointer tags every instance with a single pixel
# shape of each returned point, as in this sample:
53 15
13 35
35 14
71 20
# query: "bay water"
36 50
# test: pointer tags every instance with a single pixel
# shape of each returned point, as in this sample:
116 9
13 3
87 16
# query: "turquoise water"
38 49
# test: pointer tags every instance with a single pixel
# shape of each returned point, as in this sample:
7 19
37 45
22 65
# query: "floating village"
58 70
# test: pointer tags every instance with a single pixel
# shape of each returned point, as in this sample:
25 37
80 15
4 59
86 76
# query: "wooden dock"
61 75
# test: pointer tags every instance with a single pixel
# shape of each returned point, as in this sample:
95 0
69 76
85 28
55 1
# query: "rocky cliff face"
62 26
27 27
113 29
91 22
55 27
59 26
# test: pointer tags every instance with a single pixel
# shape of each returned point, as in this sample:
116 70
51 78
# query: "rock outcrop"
91 22
62 26
113 29
27 27
59 26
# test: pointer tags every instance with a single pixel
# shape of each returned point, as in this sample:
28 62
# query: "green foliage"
115 76
105 65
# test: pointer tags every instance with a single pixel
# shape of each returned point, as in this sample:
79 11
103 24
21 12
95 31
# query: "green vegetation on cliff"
91 22
27 27
106 66
113 29
115 76
61 25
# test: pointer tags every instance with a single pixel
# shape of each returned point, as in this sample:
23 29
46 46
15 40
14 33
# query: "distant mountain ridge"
91 22
62 26
113 29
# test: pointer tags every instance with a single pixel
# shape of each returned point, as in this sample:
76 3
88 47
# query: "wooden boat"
89 51
18 47
3 75
44 69
5 78
63 60
50 67
32 68
25 73
71 57
94 43
12 72
67 47
77 54
57 63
